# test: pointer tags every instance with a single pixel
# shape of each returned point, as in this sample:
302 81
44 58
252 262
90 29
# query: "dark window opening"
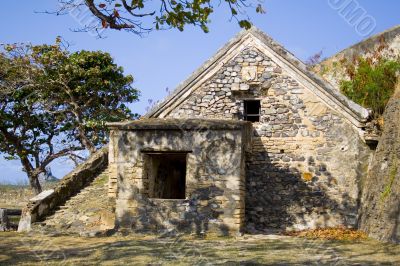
252 109
167 175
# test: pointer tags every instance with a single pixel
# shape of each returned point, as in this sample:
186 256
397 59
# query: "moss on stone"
392 176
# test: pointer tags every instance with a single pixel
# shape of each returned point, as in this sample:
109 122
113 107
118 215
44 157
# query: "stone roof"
179 124
330 95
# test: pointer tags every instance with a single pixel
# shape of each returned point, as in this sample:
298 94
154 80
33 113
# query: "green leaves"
53 102
141 16
371 83
94 91
245 24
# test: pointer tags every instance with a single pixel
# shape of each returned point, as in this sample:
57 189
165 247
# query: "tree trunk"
86 142
35 184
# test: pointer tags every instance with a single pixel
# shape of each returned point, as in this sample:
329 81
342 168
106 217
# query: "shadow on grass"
118 250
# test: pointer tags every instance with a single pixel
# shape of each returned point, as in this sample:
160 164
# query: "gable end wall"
307 159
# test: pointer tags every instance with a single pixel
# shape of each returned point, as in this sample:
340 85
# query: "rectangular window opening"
167 175
252 110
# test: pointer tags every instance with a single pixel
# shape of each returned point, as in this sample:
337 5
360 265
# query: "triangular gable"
356 114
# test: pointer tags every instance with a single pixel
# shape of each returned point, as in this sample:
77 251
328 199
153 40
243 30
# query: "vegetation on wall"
371 79
371 84
392 175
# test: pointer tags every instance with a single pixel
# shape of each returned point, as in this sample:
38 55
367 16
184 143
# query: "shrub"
371 83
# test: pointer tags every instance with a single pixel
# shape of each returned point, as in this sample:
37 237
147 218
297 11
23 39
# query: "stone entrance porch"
172 174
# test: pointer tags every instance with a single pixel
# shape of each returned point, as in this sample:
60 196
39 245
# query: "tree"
87 89
139 16
54 103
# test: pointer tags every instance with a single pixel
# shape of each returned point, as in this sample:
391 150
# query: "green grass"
102 180
17 196
12 187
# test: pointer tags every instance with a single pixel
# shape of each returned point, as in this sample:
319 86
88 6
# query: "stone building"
253 141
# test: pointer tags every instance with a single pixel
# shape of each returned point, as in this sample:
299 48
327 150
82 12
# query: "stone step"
82 193
40 224
83 204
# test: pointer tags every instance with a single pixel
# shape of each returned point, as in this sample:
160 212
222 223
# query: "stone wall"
48 201
215 176
307 159
380 212
332 70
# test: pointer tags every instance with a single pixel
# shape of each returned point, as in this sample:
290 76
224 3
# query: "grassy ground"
14 197
17 196
24 249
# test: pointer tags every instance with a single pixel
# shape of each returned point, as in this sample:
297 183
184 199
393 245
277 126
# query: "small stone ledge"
42 196
371 139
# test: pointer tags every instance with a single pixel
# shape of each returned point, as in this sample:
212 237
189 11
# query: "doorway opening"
167 175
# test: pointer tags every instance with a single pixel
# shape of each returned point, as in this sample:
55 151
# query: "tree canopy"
54 103
139 16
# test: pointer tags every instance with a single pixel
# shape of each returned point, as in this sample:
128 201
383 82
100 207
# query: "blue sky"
162 59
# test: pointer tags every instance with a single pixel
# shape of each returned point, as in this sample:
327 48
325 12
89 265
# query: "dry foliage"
338 233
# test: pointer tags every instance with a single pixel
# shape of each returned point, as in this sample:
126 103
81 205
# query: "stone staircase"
91 210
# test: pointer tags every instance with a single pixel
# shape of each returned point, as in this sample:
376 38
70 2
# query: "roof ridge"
354 110
200 69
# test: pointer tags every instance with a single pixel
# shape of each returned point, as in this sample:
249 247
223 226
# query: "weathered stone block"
214 173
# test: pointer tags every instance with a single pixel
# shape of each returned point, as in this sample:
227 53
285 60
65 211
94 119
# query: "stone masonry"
380 202
253 141
142 154
307 156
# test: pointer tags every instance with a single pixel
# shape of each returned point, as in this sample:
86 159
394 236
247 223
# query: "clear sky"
163 59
